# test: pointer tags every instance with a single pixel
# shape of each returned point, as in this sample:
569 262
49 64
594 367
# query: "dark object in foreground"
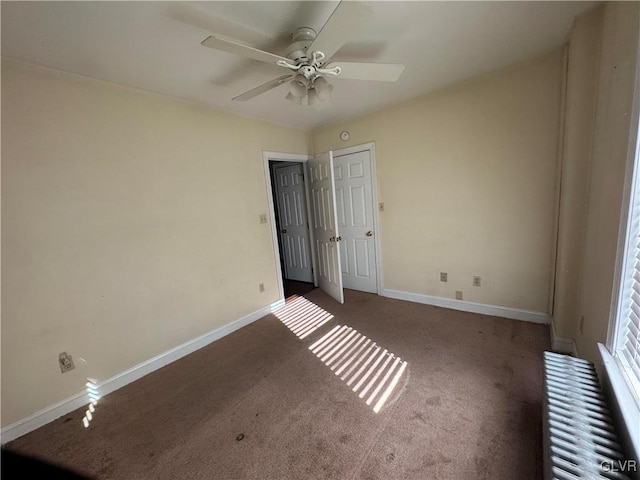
15 465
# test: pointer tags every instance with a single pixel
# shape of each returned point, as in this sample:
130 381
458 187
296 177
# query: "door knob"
338 239
332 239
284 230
369 233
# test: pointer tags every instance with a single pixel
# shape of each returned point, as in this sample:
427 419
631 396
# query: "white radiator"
579 437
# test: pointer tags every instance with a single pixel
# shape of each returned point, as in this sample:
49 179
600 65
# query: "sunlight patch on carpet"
301 316
371 371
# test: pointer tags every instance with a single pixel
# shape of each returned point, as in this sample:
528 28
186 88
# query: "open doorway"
325 224
290 213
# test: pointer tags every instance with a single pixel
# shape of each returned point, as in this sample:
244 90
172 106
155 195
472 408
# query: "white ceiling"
155 46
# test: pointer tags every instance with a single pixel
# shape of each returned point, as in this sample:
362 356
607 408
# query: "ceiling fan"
308 57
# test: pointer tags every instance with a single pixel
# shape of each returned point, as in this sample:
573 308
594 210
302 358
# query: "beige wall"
468 179
579 117
609 156
129 226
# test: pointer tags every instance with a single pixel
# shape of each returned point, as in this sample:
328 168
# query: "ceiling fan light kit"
293 98
323 88
309 81
298 86
311 68
312 97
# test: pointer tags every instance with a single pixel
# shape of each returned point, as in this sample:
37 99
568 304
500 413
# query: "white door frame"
371 147
286 157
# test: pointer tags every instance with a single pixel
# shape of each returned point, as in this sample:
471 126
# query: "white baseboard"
52 412
494 310
277 304
42 417
562 344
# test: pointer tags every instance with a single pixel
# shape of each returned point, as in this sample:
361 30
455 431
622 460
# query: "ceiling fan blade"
243 50
381 72
197 15
265 87
343 25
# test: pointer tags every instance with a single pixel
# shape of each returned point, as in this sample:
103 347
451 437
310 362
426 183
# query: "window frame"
626 395
625 265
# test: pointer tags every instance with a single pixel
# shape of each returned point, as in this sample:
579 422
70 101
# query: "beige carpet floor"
258 404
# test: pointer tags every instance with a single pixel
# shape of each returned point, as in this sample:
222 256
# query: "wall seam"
553 277
585 228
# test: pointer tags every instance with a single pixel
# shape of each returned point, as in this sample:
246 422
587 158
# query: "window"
626 342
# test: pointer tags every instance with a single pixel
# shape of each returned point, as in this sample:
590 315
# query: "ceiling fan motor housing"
302 38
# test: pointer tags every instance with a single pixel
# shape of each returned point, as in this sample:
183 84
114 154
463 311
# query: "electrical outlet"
261 287
476 281
443 276
263 218
66 362
381 206
458 295
581 324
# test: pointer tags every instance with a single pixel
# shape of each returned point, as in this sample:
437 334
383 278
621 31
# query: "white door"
354 202
292 213
325 232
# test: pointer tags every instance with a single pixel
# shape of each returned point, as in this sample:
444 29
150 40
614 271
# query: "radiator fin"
580 441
